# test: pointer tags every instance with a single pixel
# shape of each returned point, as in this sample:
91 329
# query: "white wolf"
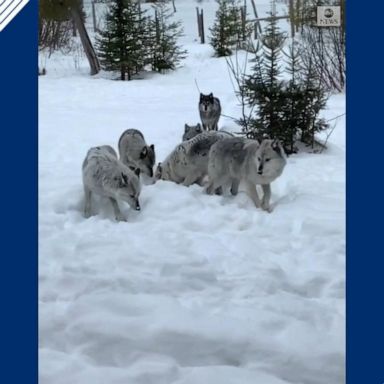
188 162
236 159
135 153
105 175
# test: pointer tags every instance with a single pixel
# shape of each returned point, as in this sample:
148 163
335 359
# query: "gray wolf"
191 131
135 153
237 159
210 110
187 163
105 175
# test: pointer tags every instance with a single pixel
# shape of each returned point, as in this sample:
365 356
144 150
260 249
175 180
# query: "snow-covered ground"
194 289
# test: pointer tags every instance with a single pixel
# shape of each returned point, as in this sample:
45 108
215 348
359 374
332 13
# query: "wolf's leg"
251 187
87 204
201 181
215 186
212 187
266 197
189 180
219 191
209 190
235 186
118 215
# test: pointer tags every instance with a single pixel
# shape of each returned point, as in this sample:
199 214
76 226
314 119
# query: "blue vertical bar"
365 208
18 260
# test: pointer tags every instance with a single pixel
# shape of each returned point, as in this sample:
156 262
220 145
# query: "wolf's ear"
152 146
198 127
137 172
211 95
144 152
186 128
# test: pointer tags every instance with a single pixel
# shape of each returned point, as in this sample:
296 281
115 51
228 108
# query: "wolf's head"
270 159
147 160
128 188
206 102
191 131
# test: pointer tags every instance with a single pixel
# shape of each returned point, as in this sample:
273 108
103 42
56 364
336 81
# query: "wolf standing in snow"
105 175
237 159
187 163
135 153
191 131
210 110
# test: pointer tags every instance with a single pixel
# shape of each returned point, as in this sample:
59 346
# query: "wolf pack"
214 159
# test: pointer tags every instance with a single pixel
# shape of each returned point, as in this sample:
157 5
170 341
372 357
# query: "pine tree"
122 45
292 110
165 52
314 99
286 109
263 87
227 32
306 97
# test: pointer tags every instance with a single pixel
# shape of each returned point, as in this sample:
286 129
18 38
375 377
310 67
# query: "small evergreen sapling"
122 44
285 109
263 86
228 32
165 52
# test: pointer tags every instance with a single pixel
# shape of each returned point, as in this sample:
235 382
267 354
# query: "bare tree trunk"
174 6
94 16
85 41
257 24
292 17
202 26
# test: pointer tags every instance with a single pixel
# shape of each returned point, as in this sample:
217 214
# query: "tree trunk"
85 41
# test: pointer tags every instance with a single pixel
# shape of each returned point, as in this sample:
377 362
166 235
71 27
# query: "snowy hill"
194 289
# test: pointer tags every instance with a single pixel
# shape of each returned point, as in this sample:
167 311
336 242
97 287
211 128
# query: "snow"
194 288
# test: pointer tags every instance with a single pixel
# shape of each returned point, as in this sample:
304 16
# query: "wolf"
105 175
135 153
187 163
191 131
210 110
237 159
